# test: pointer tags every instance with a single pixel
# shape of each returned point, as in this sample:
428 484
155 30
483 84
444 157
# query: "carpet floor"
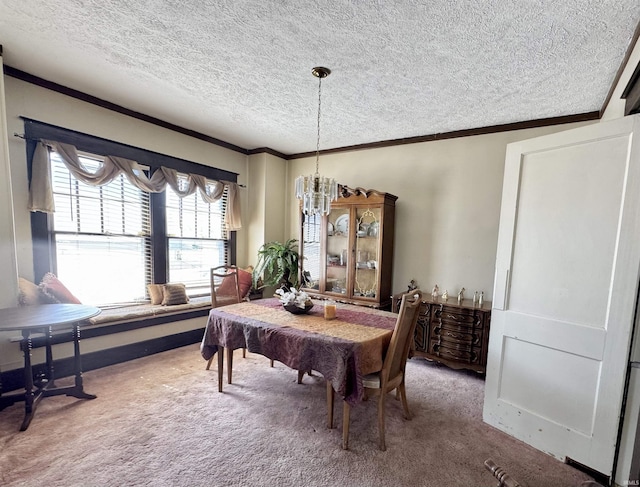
160 421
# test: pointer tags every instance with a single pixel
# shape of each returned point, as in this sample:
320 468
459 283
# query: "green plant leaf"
277 264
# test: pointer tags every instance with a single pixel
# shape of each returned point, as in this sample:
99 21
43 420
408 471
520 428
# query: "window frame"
184 212
44 254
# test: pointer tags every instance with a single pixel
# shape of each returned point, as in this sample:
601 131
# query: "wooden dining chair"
392 375
225 290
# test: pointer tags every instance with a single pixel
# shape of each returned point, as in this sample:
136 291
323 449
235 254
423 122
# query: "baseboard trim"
12 380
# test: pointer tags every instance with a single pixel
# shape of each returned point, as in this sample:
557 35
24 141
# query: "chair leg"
345 425
301 375
229 365
209 362
405 404
381 411
244 353
330 396
271 362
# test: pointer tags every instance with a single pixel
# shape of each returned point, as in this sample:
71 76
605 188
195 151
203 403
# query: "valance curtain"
41 192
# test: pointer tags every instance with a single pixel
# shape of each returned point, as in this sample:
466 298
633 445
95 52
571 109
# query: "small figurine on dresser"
445 295
434 292
412 285
460 295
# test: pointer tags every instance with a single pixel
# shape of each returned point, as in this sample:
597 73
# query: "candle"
329 310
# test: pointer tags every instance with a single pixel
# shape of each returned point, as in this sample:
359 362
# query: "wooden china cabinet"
347 255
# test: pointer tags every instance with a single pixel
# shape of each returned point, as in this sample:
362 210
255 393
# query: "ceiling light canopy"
317 192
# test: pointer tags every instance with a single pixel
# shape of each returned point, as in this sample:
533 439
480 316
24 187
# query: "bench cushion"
142 311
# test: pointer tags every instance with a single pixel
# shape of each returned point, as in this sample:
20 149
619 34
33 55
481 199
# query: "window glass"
101 235
101 244
197 239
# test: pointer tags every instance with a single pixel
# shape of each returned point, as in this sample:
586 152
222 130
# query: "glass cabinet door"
338 254
311 252
347 254
367 228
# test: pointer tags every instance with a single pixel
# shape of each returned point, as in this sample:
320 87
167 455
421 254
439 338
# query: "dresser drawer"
456 334
454 352
461 317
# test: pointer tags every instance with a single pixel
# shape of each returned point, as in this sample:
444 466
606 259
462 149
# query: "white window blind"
311 249
102 236
197 239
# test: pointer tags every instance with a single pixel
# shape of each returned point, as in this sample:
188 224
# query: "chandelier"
317 192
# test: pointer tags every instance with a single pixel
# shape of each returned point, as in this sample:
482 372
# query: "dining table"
343 349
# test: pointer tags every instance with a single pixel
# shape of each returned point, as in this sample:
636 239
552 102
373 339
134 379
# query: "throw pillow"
245 281
227 287
30 294
53 288
156 294
174 294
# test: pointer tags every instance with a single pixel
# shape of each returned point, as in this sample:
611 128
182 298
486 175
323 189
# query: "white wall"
448 204
267 202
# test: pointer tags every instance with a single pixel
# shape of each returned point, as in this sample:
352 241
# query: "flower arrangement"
294 298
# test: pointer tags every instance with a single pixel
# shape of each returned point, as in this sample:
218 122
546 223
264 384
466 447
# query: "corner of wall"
615 107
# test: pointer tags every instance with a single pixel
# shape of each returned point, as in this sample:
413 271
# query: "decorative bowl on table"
297 310
295 301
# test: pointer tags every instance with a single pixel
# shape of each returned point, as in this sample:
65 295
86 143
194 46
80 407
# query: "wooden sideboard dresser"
456 335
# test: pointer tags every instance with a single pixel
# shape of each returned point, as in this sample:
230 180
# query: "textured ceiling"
240 70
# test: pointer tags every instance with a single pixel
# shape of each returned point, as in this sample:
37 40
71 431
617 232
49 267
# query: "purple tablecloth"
342 350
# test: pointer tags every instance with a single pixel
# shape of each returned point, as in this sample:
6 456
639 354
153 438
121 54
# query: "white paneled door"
565 290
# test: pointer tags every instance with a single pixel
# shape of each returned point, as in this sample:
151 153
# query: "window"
101 235
197 239
107 243
103 243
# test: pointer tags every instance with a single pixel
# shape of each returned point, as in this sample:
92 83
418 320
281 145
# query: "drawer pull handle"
455 318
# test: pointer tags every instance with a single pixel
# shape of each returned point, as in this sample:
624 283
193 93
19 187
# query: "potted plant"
277 265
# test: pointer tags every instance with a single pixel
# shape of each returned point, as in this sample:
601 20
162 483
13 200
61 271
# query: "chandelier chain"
315 192
319 109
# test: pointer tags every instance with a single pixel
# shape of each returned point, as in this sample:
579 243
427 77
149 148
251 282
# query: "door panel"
568 216
567 273
558 378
